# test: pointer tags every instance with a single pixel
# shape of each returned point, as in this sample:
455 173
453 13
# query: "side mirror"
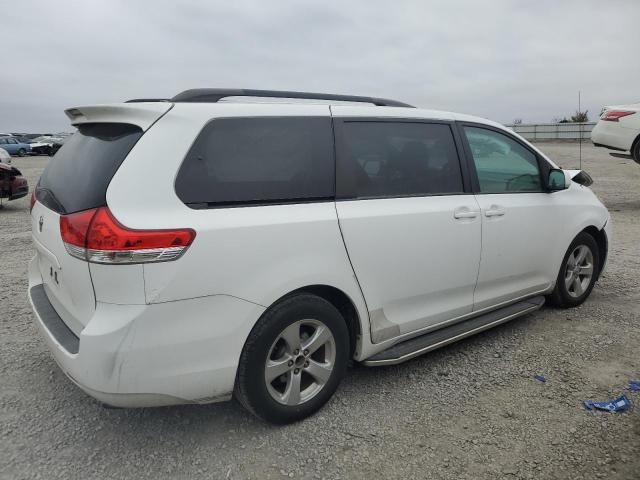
556 180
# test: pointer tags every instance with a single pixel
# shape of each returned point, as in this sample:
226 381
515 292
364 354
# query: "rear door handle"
464 212
494 211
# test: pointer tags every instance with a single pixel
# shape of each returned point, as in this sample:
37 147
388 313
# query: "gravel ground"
468 411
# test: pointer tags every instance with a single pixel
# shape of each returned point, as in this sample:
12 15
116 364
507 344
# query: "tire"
635 151
273 339
22 152
572 287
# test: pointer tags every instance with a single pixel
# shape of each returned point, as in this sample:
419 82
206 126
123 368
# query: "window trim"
341 148
543 165
258 203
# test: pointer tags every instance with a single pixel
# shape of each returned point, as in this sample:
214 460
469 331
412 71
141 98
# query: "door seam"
473 299
355 276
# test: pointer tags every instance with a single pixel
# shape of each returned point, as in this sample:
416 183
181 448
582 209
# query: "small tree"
517 121
564 120
580 117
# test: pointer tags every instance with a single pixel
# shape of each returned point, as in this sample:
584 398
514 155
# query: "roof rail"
213 95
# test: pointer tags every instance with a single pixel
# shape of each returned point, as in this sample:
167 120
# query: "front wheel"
293 360
578 272
635 151
22 152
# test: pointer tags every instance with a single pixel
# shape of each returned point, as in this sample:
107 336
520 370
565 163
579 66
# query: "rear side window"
77 177
396 159
237 161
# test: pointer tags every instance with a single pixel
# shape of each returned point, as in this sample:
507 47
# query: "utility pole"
580 132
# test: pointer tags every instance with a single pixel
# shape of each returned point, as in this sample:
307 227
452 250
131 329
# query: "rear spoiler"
141 114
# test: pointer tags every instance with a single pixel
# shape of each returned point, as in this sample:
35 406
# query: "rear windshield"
77 177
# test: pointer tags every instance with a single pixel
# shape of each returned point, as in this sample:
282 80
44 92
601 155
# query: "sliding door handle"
494 211
464 212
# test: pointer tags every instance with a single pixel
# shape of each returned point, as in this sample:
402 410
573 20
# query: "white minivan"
245 243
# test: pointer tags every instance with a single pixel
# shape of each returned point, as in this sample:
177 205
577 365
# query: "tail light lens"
615 115
32 200
96 236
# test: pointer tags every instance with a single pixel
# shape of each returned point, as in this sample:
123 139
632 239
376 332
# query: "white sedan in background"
4 156
619 129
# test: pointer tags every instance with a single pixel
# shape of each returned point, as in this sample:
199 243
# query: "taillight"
32 201
96 236
615 115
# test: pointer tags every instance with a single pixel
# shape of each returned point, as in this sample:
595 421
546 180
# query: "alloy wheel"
579 270
300 362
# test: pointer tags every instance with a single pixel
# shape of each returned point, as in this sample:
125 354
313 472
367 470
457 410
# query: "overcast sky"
497 59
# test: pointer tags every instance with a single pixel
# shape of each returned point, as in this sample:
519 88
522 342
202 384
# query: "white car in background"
4 156
619 129
46 145
189 250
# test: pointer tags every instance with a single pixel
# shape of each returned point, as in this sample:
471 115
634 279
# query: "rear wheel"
293 360
578 272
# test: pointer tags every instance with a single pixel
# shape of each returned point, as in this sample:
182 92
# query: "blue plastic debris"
540 378
634 385
618 405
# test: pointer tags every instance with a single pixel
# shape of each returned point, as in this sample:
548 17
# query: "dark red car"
12 184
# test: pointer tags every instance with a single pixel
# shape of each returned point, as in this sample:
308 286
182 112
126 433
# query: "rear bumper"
150 355
613 135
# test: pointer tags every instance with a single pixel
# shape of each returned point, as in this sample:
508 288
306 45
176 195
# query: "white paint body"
173 332
621 134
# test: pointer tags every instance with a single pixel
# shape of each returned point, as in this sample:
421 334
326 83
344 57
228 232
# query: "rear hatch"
75 180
